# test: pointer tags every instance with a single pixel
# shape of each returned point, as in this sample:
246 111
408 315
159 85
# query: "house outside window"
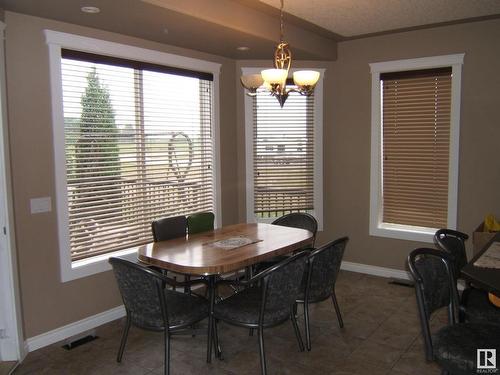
283 154
134 141
415 131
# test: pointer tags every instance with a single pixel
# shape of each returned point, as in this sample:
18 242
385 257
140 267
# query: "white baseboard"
72 329
76 328
375 270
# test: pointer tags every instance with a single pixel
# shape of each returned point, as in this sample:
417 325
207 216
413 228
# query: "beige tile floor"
380 337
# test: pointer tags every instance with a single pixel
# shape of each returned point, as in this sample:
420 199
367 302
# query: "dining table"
486 277
223 250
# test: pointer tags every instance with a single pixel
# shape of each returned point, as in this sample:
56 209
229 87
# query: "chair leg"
293 317
218 350
262 353
167 353
124 339
307 326
337 309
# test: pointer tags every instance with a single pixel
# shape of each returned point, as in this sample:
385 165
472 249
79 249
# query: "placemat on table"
232 243
490 258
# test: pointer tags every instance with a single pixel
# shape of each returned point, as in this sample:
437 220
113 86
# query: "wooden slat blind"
416 114
283 158
138 146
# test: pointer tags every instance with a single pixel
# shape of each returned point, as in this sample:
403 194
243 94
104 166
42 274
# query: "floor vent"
78 341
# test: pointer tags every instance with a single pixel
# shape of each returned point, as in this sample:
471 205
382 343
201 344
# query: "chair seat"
183 310
455 346
244 307
478 308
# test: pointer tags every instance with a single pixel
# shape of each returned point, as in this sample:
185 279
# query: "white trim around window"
377 227
71 270
318 150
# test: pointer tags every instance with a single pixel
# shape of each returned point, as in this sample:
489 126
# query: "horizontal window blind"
138 146
283 157
416 114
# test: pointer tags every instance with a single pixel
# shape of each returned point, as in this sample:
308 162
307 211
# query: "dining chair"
454 346
300 220
474 302
323 269
267 301
200 222
168 228
150 306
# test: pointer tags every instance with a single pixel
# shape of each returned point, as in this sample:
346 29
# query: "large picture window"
138 147
414 146
138 143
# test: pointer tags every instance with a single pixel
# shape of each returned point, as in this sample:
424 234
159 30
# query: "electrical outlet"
39 205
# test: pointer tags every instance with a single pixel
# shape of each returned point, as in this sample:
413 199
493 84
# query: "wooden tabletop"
486 278
199 254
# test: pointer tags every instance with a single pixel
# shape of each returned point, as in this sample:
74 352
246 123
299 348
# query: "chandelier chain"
281 21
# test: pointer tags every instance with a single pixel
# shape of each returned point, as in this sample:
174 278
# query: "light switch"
39 205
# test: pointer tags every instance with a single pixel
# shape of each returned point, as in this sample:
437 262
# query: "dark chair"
169 228
323 269
301 220
474 303
454 346
267 300
453 242
200 222
149 305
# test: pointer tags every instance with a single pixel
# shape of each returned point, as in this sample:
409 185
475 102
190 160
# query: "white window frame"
71 270
318 151
407 232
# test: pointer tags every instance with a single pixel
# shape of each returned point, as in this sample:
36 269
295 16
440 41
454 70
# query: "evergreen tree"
96 151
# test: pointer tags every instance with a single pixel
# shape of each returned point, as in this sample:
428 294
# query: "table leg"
211 325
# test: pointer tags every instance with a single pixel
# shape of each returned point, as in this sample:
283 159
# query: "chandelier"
275 80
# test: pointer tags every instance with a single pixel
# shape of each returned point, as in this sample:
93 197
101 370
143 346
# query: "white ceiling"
350 18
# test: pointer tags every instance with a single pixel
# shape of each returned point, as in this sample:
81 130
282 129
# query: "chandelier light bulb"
305 77
274 76
252 81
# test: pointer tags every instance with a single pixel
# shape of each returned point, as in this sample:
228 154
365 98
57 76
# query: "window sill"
404 232
72 270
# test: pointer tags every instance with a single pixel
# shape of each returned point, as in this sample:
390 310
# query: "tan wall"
47 303
347 138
